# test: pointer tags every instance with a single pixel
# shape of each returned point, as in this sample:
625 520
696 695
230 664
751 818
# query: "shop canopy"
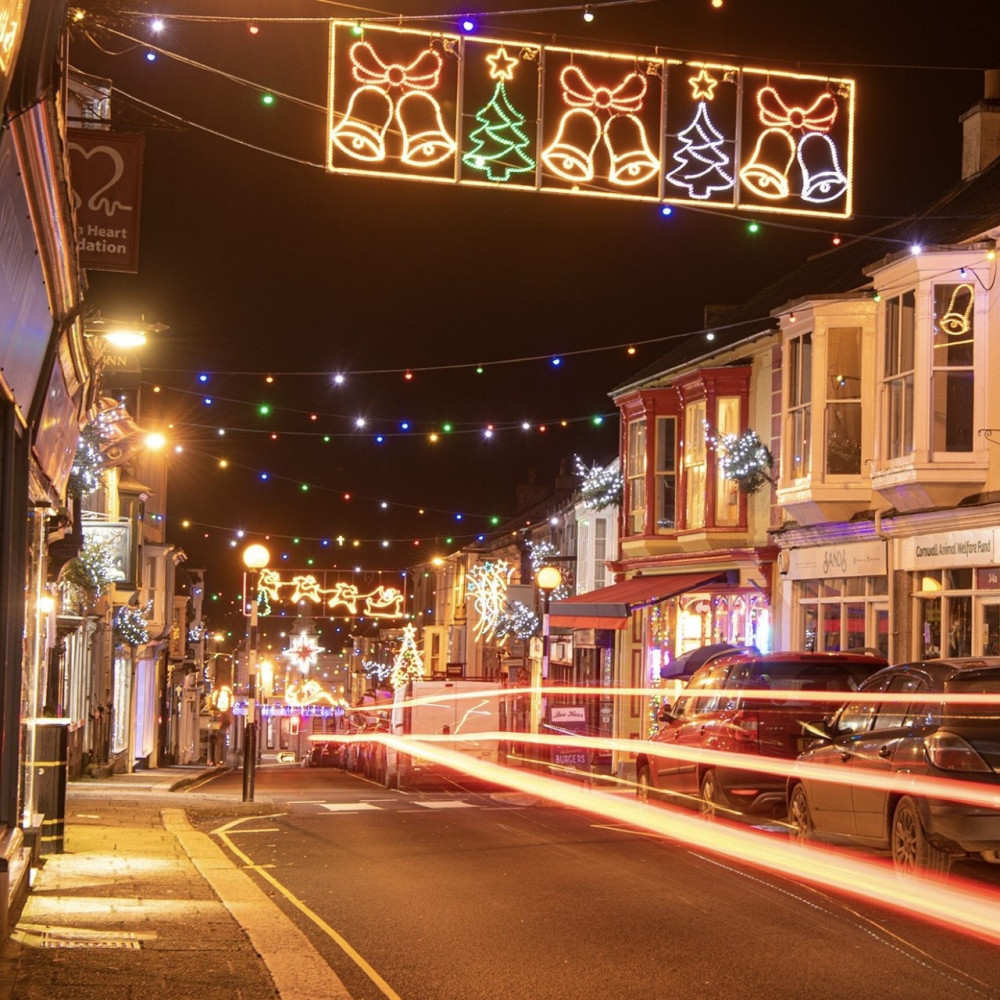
612 607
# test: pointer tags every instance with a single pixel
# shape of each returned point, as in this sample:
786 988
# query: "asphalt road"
443 894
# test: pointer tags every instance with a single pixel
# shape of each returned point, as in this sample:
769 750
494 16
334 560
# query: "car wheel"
800 824
643 784
912 852
713 798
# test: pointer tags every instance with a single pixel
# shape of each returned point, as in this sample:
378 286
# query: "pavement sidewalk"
141 904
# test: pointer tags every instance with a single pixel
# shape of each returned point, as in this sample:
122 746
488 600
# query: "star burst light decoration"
303 652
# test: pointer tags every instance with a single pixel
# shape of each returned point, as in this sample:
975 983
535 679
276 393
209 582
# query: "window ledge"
918 485
815 502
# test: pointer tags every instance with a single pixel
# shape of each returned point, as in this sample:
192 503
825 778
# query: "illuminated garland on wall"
546 554
746 460
518 621
131 625
87 473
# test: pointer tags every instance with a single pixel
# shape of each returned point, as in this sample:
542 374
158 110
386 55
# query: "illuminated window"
799 427
843 401
727 497
600 552
695 464
635 477
952 379
898 381
666 473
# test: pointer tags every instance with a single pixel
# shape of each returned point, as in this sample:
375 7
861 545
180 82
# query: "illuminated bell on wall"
571 156
631 161
767 172
361 133
425 141
957 319
822 178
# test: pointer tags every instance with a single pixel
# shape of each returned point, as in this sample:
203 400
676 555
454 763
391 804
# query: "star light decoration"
303 652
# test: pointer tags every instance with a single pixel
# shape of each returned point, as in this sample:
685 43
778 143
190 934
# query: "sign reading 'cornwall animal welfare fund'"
488 112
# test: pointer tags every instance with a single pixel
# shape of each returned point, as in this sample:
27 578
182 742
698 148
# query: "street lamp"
547 579
255 558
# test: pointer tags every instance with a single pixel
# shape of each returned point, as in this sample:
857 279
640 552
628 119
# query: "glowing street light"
255 558
547 579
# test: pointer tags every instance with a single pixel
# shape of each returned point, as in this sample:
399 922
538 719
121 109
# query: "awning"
612 607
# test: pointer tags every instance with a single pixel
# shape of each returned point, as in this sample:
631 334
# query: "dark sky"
264 263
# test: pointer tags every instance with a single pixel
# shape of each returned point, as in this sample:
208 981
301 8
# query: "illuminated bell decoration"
571 155
957 319
766 175
361 132
631 159
822 178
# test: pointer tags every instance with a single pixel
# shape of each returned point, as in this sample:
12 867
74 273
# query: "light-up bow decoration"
394 90
571 155
766 175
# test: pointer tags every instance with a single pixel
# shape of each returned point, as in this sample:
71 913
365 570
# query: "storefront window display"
944 614
838 615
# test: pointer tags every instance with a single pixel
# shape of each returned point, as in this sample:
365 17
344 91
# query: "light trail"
776 695
963 907
970 792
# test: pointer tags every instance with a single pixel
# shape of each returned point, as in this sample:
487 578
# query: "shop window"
838 615
799 429
898 379
843 401
952 378
695 463
635 477
666 473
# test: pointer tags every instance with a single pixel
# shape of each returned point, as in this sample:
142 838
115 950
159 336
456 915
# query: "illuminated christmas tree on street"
500 142
408 665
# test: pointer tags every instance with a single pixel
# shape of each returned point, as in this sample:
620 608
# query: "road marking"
263 829
223 833
297 968
445 804
343 807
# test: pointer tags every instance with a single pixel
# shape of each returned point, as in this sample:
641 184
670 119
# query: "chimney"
981 129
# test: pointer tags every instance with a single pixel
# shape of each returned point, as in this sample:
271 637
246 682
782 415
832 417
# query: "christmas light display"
303 652
587 122
519 621
600 488
487 582
376 671
499 141
338 597
94 570
546 554
957 318
309 692
746 460
87 472
408 664
131 625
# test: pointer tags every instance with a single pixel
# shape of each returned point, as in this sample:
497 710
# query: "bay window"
898 380
952 374
799 421
635 478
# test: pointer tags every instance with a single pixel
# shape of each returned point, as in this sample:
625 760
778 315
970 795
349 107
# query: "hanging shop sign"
106 173
489 112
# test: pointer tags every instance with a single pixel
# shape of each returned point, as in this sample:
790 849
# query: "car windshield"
792 675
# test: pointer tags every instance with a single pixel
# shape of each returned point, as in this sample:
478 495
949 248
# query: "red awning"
612 607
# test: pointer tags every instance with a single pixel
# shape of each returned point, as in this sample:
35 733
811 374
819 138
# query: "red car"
701 718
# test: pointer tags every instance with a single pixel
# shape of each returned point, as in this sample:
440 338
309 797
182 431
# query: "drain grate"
35 936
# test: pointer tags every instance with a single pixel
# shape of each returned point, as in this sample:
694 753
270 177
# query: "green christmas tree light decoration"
600 488
746 460
408 665
500 142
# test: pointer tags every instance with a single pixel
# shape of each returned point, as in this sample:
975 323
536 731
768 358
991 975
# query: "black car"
933 737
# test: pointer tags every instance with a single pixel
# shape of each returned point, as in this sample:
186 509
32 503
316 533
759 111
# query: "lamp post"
255 558
547 579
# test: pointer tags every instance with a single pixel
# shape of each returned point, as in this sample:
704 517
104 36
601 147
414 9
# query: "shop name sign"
500 113
849 559
948 549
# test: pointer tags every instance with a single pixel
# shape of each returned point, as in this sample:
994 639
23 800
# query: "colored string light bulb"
753 227
267 99
588 13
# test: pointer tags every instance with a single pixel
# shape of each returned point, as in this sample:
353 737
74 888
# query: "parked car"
323 755
937 738
700 717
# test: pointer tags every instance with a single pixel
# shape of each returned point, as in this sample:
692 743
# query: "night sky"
262 263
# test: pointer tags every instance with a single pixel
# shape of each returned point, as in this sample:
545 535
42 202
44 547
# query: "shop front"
838 594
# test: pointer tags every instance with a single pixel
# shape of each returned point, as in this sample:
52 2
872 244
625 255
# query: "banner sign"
106 175
488 112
